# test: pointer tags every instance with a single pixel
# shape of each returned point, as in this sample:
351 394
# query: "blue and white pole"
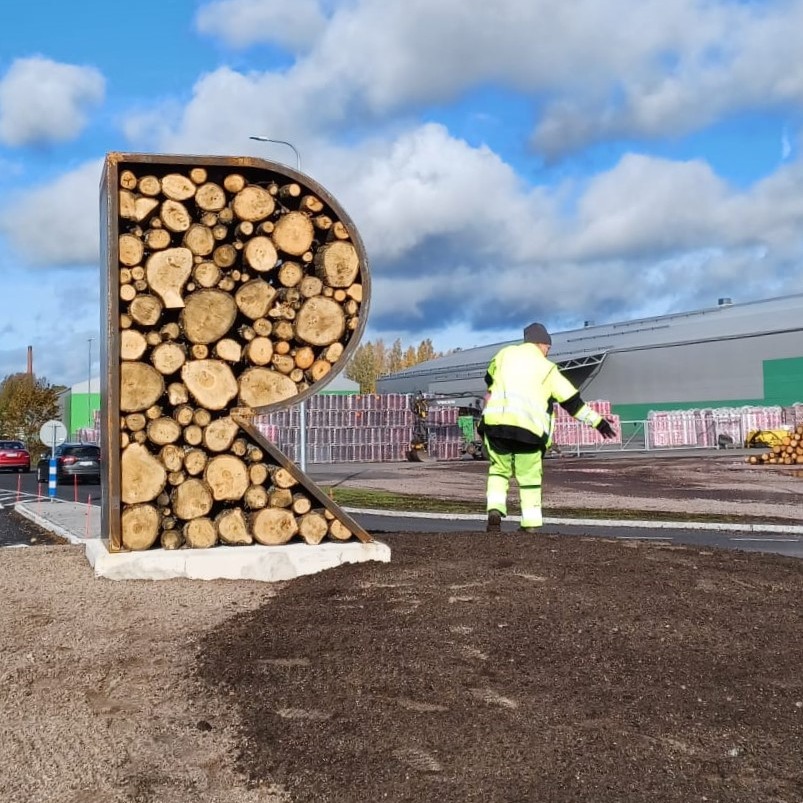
52 472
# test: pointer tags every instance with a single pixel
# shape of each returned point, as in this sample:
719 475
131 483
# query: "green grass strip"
414 503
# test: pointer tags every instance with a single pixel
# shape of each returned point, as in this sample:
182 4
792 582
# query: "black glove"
605 429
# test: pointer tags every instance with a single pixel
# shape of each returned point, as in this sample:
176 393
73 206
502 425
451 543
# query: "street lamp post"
302 407
89 386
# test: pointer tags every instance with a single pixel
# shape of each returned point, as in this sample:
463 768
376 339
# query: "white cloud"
44 101
57 224
241 23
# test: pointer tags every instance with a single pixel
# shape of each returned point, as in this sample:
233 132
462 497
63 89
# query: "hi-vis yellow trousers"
527 469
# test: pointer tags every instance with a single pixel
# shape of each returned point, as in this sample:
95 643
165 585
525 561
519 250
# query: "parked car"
81 460
14 456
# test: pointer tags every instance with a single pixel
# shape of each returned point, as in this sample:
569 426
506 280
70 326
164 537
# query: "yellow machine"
765 437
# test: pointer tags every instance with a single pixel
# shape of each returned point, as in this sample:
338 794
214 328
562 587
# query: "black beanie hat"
537 333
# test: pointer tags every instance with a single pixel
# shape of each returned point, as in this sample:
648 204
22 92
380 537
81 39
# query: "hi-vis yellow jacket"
523 387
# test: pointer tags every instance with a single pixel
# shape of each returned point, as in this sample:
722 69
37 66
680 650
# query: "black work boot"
494 522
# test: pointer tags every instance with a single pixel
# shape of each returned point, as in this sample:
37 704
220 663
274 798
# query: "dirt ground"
471 668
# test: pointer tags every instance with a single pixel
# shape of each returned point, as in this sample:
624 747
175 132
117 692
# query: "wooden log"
210 197
301 504
253 203
232 527
145 310
254 298
195 461
259 351
183 414
260 254
139 526
202 417
131 250
198 175
132 344
199 351
338 531
172 457
171 539
318 370
280 497
177 393
140 386
168 357
191 499
293 233
282 478
273 526
170 331
199 240
227 476
320 322
193 435
207 316
128 180
339 230
313 527
311 204
149 185
289 191
304 357
260 387
258 473
210 382
174 216
333 353
178 187
134 422
290 274
255 497
220 434
283 330
310 286
283 363
337 263
229 350
142 476
206 274
234 183
163 431
225 255
200 533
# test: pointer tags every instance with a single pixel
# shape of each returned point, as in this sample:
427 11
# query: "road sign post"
53 433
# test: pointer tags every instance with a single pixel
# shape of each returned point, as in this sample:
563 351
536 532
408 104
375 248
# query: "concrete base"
267 564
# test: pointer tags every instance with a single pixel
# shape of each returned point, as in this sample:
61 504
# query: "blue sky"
504 162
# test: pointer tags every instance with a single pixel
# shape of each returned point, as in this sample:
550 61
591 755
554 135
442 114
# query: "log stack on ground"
234 288
788 452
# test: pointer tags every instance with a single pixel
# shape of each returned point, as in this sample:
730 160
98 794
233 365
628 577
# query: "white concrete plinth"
266 563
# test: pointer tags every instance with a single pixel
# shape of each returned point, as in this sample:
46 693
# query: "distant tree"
25 404
367 364
410 357
426 351
372 360
395 361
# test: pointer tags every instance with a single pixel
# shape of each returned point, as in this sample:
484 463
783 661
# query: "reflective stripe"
588 416
515 404
531 517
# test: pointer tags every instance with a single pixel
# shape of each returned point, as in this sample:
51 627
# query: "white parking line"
769 540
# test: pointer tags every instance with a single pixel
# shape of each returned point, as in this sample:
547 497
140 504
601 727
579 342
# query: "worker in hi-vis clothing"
516 426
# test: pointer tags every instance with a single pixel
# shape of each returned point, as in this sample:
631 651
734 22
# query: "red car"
14 456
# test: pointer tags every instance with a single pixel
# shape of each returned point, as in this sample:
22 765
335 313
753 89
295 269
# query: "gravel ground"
469 668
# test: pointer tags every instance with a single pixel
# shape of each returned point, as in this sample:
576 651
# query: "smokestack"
30 360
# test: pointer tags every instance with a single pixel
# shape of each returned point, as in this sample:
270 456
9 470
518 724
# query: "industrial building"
727 355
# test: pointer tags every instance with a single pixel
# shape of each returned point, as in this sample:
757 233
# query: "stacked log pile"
238 291
786 453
